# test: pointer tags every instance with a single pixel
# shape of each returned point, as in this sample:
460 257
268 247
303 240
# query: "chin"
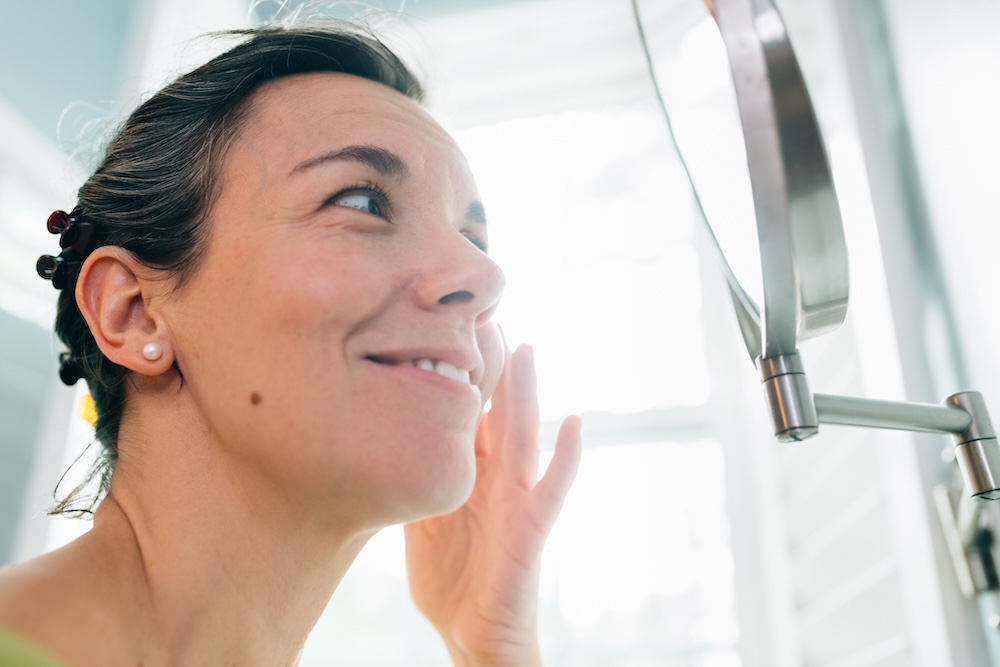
447 495
433 490
418 462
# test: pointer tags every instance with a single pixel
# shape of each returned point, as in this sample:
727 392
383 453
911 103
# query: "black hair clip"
75 238
69 369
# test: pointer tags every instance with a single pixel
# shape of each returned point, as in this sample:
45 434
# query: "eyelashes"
370 198
365 197
477 241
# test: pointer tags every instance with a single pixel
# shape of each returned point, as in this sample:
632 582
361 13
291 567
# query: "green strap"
16 652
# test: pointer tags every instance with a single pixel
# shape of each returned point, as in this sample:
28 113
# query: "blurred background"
691 538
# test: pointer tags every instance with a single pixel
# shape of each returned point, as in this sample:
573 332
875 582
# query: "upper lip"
458 357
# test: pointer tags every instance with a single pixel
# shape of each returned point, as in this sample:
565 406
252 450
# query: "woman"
276 287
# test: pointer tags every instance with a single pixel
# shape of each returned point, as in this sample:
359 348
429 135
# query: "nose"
460 278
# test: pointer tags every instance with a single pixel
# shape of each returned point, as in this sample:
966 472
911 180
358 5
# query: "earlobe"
114 299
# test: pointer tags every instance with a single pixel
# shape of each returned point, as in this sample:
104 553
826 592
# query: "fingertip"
524 356
553 487
523 364
568 449
570 439
574 422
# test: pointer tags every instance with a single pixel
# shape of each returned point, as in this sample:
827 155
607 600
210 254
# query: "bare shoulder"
45 600
29 591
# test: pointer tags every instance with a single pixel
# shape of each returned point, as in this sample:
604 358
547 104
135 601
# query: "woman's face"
337 335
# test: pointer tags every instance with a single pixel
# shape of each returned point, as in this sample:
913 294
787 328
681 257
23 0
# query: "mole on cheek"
255 398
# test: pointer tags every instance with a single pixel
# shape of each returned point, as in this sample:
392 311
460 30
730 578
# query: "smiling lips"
443 368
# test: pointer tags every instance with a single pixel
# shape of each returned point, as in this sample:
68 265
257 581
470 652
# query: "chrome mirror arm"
796 414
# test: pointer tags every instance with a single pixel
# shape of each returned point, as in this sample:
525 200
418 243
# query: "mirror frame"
803 252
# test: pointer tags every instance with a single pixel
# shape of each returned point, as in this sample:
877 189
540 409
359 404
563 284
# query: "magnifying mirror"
774 178
803 255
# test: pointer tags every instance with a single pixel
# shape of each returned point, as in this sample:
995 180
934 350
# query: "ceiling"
66 59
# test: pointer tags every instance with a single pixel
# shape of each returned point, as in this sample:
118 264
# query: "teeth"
443 368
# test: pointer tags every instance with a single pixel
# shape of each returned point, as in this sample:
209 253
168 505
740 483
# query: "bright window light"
592 220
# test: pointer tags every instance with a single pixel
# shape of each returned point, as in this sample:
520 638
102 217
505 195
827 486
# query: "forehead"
295 116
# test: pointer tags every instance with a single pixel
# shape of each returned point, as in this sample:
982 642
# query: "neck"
227 569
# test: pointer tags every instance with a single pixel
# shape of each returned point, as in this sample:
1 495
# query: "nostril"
461 296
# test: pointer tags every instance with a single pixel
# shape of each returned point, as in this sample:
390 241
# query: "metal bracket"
796 414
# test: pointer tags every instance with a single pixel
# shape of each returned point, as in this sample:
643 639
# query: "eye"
477 241
361 202
368 199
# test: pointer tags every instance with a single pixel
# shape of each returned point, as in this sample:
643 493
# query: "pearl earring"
152 351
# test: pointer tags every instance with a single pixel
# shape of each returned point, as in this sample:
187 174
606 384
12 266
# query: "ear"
116 298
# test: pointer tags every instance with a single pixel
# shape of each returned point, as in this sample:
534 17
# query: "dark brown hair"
154 186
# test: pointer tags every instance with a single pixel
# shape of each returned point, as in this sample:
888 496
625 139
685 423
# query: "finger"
497 421
551 490
483 436
493 422
492 347
520 444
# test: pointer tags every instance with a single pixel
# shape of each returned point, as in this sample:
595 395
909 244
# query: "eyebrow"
385 162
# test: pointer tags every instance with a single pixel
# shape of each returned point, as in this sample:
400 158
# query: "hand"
474 573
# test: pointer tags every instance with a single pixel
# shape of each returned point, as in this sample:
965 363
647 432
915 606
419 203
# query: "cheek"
312 308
